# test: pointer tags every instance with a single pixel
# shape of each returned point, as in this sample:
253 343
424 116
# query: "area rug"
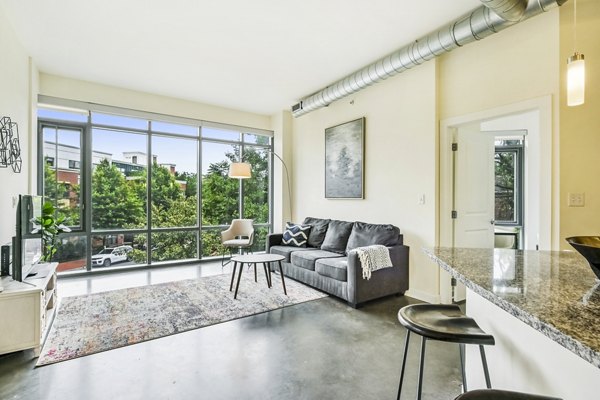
98 322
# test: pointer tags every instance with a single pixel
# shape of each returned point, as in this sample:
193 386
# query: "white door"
473 191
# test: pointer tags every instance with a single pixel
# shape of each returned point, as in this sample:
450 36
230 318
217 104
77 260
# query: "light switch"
422 199
576 199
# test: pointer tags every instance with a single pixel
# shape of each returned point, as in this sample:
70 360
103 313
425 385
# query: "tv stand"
27 309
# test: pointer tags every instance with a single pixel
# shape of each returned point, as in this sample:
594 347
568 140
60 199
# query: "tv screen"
27 246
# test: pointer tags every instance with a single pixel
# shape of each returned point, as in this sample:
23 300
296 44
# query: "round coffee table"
263 259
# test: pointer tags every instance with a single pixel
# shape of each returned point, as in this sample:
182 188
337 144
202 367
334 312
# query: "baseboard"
423 296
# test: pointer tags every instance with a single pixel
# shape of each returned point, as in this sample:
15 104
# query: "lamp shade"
575 80
240 170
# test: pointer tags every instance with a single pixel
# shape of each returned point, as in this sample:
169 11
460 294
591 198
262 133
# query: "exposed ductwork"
492 17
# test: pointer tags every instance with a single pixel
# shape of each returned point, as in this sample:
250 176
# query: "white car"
109 255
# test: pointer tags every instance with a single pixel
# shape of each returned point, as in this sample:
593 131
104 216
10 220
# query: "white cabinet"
27 309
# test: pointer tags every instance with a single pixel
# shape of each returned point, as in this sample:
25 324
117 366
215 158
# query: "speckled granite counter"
556 293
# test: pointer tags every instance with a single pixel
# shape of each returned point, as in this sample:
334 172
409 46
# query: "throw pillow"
317 232
364 234
295 235
337 235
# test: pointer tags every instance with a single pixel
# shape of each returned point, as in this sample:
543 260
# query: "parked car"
111 255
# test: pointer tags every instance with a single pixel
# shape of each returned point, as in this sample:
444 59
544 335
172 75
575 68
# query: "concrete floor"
321 349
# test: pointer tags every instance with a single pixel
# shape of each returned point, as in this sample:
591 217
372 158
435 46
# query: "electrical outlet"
576 199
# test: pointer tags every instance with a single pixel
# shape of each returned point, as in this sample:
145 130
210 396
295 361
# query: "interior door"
473 191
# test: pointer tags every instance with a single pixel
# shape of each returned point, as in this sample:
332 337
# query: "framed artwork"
344 160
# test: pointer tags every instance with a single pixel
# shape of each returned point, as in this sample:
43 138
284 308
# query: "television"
27 247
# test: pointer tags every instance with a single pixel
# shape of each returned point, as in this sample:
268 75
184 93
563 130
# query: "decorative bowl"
588 247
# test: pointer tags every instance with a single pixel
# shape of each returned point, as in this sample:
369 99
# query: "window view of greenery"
62 171
126 228
507 177
118 180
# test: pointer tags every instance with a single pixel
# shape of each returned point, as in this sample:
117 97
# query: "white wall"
18 82
282 195
400 164
73 89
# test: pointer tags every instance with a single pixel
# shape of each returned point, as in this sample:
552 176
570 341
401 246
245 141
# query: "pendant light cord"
575 26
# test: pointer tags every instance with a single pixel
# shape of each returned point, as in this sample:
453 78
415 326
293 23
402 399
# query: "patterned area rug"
103 321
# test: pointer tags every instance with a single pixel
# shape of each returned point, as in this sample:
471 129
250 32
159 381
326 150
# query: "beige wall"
580 126
402 117
400 163
17 81
518 64
73 89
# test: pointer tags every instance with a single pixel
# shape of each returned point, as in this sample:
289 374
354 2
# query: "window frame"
519 187
86 168
42 160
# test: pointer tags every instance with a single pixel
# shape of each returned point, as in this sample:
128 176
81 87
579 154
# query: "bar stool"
492 394
446 323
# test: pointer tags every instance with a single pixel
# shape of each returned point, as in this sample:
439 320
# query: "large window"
158 190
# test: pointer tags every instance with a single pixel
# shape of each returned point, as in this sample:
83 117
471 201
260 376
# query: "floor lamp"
243 170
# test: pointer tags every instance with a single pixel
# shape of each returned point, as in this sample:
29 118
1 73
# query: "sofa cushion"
287 251
306 259
336 238
318 231
336 268
295 235
364 234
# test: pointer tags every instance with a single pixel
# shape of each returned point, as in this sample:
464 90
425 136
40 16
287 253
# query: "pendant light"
575 70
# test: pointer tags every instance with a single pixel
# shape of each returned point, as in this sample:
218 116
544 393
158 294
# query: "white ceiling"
253 55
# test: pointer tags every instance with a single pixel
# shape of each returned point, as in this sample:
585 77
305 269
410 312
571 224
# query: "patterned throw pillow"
295 235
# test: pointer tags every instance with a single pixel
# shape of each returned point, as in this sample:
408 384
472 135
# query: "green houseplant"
49 225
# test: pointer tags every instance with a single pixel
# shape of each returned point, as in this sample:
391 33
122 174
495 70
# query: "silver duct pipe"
480 23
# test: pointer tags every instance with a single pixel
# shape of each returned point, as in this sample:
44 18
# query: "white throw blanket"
373 258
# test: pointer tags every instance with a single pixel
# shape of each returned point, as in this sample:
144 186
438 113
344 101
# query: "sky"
169 150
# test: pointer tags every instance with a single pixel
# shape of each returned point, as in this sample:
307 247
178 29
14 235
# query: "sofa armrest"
273 239
383 282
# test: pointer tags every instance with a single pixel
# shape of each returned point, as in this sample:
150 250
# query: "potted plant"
49 225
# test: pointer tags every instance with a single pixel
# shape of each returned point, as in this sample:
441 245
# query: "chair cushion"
306 259
336 238
364 234
295 235
236 243
336 268
287 251
318 231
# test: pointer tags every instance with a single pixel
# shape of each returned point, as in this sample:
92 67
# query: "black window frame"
518 151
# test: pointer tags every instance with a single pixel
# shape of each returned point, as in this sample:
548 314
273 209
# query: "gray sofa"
326 265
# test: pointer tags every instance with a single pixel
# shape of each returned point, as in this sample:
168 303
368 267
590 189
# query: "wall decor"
344 160
10 148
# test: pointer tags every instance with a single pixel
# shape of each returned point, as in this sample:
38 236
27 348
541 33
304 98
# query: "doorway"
475 209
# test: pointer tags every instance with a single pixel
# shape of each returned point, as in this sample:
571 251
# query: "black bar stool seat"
492 394
446 323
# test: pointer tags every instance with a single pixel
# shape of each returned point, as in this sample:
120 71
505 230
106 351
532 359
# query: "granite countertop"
555 292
